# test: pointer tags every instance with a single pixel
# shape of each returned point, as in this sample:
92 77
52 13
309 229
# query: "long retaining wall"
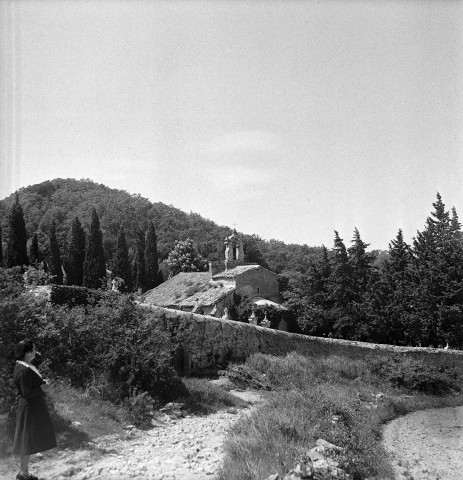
212 342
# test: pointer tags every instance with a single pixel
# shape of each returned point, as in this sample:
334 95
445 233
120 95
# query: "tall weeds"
331 398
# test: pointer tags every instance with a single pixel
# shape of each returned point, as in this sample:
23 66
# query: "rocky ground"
427 445
188 448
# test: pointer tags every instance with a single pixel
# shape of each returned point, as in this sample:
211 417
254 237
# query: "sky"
287 119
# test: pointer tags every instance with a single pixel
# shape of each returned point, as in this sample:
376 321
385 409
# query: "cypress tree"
34 253
95 263
139 271
74 264
1 247
121 265
151 258
16 252
55 257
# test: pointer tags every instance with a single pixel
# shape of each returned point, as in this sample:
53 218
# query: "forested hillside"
410 295
62 200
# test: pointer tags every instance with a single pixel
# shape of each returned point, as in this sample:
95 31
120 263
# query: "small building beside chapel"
217 291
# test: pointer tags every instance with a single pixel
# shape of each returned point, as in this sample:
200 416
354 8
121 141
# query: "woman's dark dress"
34 430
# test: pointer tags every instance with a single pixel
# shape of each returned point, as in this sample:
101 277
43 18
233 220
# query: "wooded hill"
62 200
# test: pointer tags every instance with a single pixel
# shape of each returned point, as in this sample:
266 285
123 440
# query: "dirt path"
189 448
427 444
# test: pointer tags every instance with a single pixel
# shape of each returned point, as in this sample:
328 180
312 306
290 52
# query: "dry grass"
309 392
204 398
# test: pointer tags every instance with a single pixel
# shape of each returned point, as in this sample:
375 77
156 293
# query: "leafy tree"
74 264
252 252
185 258
55 267
95 263
151 258
16 252
34 252
139 270
121 264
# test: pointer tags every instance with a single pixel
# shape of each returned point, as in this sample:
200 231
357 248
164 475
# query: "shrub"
74 295
111 346
414 375
140 406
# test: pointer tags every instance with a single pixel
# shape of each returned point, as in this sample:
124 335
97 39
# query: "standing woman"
34 430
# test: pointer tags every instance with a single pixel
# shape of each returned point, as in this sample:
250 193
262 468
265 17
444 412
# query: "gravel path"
189 448
427 444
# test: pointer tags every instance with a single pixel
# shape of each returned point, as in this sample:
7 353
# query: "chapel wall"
213 341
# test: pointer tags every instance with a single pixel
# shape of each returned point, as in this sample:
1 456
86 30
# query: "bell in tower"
234 251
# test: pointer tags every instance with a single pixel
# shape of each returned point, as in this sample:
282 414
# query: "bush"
118 338
73 295
111 346
414 375
140 406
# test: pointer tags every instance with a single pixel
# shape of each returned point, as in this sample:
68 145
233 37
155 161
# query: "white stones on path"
188 448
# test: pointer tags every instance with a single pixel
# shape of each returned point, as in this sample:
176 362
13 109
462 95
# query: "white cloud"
246 140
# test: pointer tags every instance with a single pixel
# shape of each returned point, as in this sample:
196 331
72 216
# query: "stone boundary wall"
213 341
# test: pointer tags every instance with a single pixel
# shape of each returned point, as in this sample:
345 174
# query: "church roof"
188 290
233 272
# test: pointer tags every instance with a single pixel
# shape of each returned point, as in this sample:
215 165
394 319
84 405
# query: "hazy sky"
291 118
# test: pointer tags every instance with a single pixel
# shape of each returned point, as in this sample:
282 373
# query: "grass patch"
76 410
337 399
204 398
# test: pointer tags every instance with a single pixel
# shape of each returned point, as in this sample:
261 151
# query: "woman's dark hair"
22 348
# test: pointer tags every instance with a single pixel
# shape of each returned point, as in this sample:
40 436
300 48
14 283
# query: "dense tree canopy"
413 297
63 200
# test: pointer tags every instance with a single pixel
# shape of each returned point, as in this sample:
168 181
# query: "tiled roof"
187 290
233 272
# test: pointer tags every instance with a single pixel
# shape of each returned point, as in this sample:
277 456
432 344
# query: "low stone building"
215 292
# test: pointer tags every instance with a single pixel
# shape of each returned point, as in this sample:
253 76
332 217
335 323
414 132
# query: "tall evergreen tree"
1 247
121 264
361 266
34 252
16 251
308 297
340 284
139 271
54 263
390 317
75 258
151 258
95 262
438 277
